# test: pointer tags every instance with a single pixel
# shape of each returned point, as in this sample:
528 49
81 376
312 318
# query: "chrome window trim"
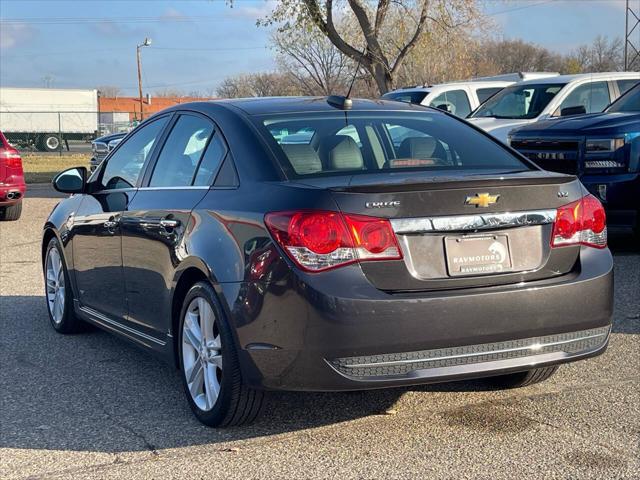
186 187
481 221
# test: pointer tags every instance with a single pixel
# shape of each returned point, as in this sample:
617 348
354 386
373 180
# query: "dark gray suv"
328 244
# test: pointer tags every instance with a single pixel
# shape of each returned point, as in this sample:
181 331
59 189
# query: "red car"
12 186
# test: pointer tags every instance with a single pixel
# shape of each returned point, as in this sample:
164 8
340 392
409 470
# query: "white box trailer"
45 117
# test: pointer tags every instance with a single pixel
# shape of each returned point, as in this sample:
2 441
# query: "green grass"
42 168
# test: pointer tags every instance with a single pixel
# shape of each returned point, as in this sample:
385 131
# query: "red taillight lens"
373 237
582 222
319 240
10 158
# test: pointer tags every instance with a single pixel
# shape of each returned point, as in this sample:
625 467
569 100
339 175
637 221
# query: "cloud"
16 34
173 14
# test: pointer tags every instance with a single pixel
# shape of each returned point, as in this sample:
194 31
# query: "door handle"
169 223
111 223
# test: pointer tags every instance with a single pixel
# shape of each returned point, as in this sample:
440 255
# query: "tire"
62 318
215 366
49 142
11 213
523 379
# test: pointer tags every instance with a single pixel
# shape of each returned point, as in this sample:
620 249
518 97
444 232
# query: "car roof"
268 105
580 76
471 83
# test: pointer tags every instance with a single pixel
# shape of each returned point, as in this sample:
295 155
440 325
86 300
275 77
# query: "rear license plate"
477 255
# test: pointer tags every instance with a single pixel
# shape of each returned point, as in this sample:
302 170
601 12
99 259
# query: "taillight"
582 222
11 158
318 240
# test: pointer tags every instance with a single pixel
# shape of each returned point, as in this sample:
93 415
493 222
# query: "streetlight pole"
146 43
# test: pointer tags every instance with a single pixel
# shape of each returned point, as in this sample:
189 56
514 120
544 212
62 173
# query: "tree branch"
329 28
414 39
381 13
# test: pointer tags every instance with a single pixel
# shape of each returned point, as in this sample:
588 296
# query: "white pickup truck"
461 98
547 98
46 117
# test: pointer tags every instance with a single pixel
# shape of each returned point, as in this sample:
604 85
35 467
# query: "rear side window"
375 142
484 93
182 152
454 101
211 160
624 85
593 96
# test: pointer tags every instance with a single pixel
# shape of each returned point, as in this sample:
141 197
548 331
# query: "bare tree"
313 61
110 91
603 55
381 59
258 85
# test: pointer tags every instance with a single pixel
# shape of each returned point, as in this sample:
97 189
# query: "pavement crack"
148 445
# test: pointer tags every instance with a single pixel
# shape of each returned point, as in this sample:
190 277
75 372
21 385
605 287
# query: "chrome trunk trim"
481 221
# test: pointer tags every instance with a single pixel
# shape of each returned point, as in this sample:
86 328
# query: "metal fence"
53 130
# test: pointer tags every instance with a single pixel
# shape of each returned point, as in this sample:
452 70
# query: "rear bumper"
304 332
11 193
619 195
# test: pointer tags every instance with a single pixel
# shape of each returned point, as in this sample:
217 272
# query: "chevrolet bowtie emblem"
482 200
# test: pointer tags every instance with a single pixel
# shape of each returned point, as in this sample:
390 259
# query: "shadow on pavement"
96 392
42 190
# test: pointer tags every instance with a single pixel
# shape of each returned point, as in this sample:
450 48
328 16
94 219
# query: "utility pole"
146 43
631 47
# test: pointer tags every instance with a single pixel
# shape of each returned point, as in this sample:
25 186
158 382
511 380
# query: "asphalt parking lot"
93 406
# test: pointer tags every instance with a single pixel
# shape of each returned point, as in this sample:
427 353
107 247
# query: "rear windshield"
519 101
407 97
326 144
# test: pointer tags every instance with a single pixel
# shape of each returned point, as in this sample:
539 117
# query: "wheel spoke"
206 318
192 332
195 379
216 361
202 357
212 386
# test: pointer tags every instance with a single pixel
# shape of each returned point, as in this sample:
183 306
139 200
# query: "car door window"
484 93
593 96
124 166
456 100
182 151
624 85
211 160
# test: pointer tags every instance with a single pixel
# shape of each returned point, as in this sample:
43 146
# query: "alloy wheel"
202 353
55 285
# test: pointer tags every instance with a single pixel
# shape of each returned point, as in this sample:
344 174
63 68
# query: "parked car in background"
603 149
339 260
460 98
564 95
12 186
101 147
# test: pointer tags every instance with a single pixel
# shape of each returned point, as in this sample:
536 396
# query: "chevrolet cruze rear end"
323 244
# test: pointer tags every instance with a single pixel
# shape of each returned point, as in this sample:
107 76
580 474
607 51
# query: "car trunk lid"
460 231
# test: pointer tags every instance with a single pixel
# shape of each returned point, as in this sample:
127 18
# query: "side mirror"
568 111
73 180
444 106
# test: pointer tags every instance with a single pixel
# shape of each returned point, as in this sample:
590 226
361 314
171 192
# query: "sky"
197 43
